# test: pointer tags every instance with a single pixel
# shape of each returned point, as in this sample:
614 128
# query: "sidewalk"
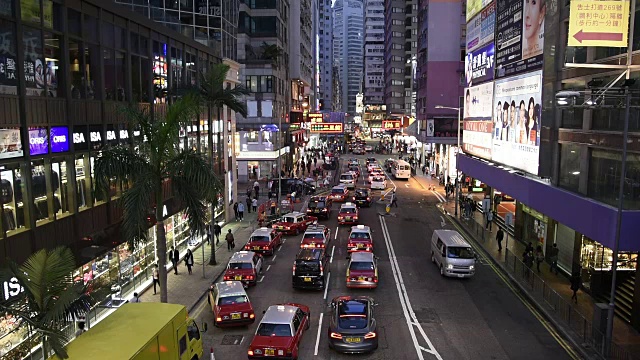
545 282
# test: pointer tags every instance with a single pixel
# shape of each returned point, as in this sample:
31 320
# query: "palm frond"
180 114
135 203
118 162
57 341
214 92
73 301
194 205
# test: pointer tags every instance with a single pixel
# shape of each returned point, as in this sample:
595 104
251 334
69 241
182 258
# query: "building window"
52 71
569 174
8 59
604 178
83 182
62 192
42 191
572 118
12 194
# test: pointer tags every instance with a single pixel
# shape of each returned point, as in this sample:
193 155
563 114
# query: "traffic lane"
393 335
464 317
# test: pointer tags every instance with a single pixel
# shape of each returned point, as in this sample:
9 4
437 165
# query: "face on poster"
516 121
476 137
481 29
479 65
519 36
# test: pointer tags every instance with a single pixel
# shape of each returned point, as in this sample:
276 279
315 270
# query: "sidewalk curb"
548 316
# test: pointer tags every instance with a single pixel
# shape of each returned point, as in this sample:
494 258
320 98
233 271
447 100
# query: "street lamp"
457 182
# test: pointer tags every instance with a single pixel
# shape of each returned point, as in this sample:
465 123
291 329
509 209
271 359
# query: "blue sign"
270 127
38 143
479 65
59 139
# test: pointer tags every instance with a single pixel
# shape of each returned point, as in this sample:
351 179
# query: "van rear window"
259 239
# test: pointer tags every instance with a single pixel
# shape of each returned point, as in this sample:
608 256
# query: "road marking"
443 223
268 267
438 195
332 250
238 342
284 241
326 286
407 309
406 185
336 237
274 257
315 353
261 278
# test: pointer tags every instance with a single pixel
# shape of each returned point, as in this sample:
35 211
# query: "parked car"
230 304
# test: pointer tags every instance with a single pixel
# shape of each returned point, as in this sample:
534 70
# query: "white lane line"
315 353
261 278
268 267
440 197
335 237
409 314
333 249
326 286
274 257
406 185
284 241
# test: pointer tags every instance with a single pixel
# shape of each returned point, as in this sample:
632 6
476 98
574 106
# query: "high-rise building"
301 65
440 71
373 85
213 23
348 44
325 56
400 30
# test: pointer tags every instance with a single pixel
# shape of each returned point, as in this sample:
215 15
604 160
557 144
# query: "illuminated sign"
326 128
391 124
315 118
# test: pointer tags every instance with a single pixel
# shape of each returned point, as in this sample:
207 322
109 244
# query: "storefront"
254 165
534 227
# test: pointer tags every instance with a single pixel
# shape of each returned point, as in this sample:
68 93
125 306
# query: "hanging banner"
481 29
598 23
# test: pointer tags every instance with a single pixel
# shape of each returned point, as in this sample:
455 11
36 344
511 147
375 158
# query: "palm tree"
215 94
271 52
50 299
149 164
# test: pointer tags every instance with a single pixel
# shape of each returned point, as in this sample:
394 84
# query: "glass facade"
604 178
569 176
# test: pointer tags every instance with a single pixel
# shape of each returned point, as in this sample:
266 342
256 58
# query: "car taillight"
250 352
252 315
370 335
375 279
227 277
336 335
265 247
325 209
340 218
294 270
350 245
249 277
368 199
355 218
321 270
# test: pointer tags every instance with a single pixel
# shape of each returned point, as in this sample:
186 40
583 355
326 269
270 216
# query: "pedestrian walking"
217 231
489 220
231 243
208 234
254 204
81 329
499 237
539 257
527 259
175 258
394 199
241 211
136 298
188 260
529 247
235 210
248 201
256 188
248 192
156 278
575 285
553 257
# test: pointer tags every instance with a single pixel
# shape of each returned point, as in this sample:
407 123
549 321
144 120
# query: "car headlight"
449 266
472 267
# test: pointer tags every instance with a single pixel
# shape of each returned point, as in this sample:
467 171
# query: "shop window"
252 136
62 194
76 66
569 174
12 189
136 74
604 178
120 71
73 22
83 182
596 257
42 191
34 72
53 56
145 73
8 59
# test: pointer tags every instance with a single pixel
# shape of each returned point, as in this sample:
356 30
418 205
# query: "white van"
452 254
401 170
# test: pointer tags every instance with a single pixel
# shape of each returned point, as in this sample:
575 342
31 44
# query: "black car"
371 160
320 207
310 269
290 185
362 198
352 326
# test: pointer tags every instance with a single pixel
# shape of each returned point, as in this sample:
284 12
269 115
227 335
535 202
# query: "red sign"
391 124
326 128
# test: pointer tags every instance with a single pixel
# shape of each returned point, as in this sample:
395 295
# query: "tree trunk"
161 249
212 259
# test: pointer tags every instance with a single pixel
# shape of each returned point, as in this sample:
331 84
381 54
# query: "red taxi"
348 214
316 237
362 271
264 240
294 223
339 193
244 266
360 239
230 304
280 331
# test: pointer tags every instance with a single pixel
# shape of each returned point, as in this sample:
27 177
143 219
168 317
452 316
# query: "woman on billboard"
522 120
532 123
533 28
497 121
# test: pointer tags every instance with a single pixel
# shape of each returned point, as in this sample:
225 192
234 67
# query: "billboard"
479 65
481 29
326 128
391 124
474 7
598 23
516 121
519 36
476 137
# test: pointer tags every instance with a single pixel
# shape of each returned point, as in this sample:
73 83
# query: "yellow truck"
141 331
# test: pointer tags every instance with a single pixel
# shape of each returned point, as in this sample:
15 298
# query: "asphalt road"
420 314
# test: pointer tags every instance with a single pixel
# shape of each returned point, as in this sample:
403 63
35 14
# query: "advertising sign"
474 7
516 135
391 124
95 137
34 64
476 137
80 141
38 141
481 29
599 23
315 117
59 139
10 144
519 36
8 56
326 128
479 65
